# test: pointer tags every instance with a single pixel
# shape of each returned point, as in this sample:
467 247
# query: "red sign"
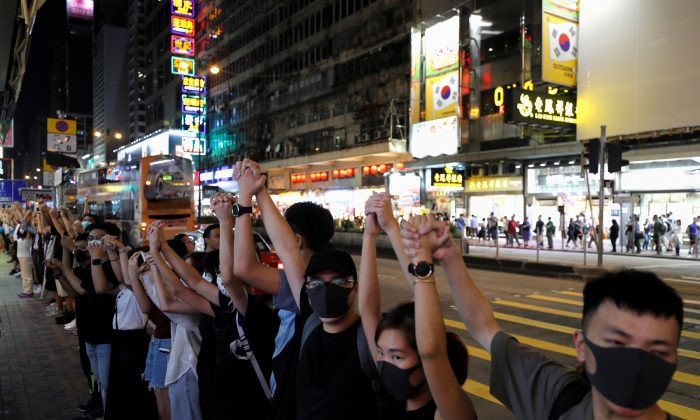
182 45
182 25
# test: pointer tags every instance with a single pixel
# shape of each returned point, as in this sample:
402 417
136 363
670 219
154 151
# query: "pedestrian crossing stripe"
567 314
482 391
579 294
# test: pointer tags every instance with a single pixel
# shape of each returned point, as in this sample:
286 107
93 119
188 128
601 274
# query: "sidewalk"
40 376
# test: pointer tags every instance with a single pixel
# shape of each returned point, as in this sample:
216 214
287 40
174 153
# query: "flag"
563 41
445 91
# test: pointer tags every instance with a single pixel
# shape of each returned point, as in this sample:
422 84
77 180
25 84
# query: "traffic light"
615 161
592 153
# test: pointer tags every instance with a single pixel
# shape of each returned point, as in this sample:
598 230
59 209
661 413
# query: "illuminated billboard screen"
193 104
441 47
435 137
194 84
182 7
182 66
81 9
182 45
182 25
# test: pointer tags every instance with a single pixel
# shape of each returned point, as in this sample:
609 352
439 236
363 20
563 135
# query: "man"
551 229
493 228
211 237
659 230
539 232
692 231
474 225
628 344
513 230
461 226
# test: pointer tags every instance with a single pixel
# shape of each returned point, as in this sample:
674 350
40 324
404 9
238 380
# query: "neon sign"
182 7
194 84
182 26
182 45
182 66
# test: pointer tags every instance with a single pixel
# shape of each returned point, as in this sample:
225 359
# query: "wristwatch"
97 262
238 210
422 269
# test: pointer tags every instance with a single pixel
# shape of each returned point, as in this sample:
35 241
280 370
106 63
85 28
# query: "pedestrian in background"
692 231
551 229
525 231
614 234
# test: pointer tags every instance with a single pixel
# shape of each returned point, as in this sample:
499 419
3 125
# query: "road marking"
690 278
556 299
568 314
480 390
683 281
678 376
680 411
570 293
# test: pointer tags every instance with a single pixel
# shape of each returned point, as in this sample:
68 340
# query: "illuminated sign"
182 26
499 184
318 176
193 145
540 109
224 173
343 173
441 95
182 66
81 9
193 123
559 50
298 178
441 46
182 7
194 84
182 45
193 104
206 176
435 137
446 177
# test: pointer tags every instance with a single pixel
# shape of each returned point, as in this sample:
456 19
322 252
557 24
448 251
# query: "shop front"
444 188
502 196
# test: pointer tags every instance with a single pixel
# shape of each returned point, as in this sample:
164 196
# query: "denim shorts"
157 363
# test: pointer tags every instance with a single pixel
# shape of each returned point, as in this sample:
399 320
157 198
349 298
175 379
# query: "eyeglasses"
94 238
313 282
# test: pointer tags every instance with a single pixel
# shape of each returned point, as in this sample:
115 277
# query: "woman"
677 238
405 377
647 234
25 240
525 230
614 234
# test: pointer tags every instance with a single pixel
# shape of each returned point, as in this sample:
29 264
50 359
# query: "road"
543 313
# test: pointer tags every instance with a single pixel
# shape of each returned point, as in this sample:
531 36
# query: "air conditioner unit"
365 136
377 134
357 138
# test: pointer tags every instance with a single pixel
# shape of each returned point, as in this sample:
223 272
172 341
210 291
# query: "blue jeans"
99 355
184 398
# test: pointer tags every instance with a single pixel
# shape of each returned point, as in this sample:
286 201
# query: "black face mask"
397 381
629 377
329 300
81 256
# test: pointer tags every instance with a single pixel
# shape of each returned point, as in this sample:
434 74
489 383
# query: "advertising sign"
416 59
61 126
182 45
568 9
495 184
559 50
193 145
181 25
81 9
446 177
182 7
62 143
182 66
36 194
194 84
436 137
8 139
9 190
526 107
5 168
441 47
441 95
193 104
193 123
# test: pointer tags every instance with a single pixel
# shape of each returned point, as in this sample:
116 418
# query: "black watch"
238 210
96 262
422 269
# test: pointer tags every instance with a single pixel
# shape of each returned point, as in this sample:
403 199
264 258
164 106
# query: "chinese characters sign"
182 45
181 65
193 145
540 109
182 8
447 177
182 26
193 84
193 104
496 184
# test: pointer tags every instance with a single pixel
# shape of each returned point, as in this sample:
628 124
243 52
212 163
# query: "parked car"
264 251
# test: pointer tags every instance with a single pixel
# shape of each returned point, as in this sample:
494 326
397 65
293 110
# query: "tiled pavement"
40 376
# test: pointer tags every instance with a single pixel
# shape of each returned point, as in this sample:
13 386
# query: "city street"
40 376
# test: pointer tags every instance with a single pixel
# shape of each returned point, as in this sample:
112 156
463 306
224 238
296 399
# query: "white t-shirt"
128 315
184 333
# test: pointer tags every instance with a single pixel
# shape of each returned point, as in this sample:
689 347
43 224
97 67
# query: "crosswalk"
561 311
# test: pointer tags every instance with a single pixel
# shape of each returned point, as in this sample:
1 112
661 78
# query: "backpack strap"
312 322
367 361
571 395
246 353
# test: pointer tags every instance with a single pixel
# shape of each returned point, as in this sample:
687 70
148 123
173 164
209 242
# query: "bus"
134 194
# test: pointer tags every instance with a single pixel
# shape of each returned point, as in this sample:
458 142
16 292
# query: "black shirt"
81 304
330 379
100 307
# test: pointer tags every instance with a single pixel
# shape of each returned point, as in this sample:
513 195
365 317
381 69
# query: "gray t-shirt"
528 383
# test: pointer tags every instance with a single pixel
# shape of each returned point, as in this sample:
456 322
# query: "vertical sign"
61 135
560 42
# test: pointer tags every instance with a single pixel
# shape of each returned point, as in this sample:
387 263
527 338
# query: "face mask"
629 377
329 300
81 256
85 224
397 382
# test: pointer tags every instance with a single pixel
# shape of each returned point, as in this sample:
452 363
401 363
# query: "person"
461 226
629 235
539 232
647 234
492 226
188 241
614 234
677 237
392 336
525 231
692 231
551 230
474 224
571 232
211 237
638 234
513 230
628 344
25 239
659 231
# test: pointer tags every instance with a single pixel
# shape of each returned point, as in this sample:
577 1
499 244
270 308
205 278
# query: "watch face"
423 269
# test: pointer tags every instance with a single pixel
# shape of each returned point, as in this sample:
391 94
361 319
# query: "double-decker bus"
134 194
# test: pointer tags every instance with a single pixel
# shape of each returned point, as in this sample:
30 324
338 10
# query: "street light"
97 133
118 135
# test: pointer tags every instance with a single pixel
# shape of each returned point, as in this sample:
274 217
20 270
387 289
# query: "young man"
305 229
211 235
629 344
551 230
539 232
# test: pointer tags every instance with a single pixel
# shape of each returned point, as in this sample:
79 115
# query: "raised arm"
283 238
473 307
368 300
381 206
451 400
245 260
99 279
68 219
132 270
113 245
70 278
221 206
168 302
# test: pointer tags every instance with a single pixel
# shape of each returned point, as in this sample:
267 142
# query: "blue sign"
9 190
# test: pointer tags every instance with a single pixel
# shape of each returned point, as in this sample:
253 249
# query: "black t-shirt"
331 380
81 304
100 307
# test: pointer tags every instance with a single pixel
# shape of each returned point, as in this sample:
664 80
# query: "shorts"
157 363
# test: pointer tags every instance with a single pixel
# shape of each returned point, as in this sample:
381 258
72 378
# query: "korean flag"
563 44
445 91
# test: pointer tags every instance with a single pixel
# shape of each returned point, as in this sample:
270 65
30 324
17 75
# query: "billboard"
441 47
182 7
7 139
9 190
559 50
182 45
441 95
435 137
181 25
182 66
526 107
81 9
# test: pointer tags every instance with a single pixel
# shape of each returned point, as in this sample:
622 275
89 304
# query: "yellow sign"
193 84
559 50
181 65
182 7
441 95
61 126
414 111
539 108
495 184
447 177
182 25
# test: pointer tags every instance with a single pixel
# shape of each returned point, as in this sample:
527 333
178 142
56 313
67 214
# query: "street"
543 313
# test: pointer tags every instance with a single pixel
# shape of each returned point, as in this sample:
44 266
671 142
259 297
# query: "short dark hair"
81 237
311 221
197 261
642 292
211 264
108 227
208 230
93 216
178 246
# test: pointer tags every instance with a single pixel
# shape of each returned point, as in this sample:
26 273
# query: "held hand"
53 264
153 236
381 203
151 261
67 243
249 185
371 225
134 261
246 164
95 250
221 206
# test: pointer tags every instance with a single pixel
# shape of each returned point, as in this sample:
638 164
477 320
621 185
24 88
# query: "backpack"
366 360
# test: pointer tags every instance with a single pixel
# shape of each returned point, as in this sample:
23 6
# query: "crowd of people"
662 234
166 332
